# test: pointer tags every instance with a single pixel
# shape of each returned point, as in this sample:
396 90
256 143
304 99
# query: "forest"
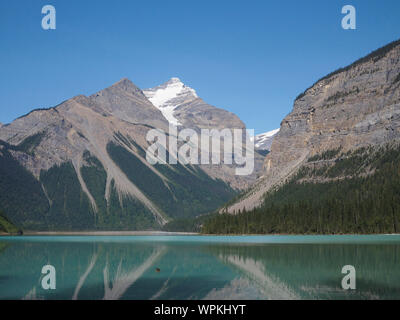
6 226
358 194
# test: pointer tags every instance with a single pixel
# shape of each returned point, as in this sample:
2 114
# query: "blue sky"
250 57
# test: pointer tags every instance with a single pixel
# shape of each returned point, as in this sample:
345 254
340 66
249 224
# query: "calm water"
192 267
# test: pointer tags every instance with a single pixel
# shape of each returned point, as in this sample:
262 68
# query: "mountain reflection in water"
114 268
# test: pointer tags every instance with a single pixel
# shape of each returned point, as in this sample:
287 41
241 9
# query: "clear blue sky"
250 57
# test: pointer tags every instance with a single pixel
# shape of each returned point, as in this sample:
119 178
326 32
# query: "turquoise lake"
200 267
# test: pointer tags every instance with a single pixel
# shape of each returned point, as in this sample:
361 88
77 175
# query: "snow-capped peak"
170 95
263 141
267 134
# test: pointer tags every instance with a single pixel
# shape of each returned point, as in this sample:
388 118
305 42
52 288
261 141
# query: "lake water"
200 267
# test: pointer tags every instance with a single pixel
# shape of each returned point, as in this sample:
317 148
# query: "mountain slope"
6 226
81 166
354 107
334 193
182 107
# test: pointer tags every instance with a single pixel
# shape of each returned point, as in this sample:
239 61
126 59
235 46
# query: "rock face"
353 107
127 102
88 165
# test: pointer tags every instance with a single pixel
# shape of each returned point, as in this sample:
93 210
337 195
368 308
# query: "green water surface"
200 267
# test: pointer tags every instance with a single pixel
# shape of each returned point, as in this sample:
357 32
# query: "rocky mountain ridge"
351 108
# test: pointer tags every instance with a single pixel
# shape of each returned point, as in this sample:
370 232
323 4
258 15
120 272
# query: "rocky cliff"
351 108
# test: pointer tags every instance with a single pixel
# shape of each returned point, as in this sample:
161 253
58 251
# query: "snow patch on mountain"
170 95
263 141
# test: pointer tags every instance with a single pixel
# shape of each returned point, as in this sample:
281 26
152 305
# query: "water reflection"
149 269
314 271
85 275
269 286
123 280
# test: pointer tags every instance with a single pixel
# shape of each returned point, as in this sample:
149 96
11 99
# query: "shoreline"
106 233
164 233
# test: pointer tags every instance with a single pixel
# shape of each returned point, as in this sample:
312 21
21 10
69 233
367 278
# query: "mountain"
181 106
263 141
81 165
343 128
356 192
170 96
